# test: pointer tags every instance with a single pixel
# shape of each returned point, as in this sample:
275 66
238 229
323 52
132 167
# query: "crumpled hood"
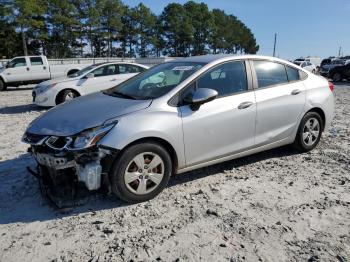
82 113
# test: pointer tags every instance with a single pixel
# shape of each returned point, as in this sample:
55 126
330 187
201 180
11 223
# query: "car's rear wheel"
309 132
141 172
3 86
337 77
67 95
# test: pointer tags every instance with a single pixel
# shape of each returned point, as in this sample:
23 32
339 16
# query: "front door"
103 78
225 125
18 70
280 98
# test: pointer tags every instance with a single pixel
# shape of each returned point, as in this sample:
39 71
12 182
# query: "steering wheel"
149 86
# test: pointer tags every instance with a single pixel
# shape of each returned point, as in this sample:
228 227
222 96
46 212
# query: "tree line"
98 28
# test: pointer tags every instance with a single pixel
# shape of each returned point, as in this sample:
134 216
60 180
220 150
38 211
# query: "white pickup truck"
23 70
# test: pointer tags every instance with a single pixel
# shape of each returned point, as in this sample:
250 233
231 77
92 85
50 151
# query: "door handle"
114 79
296 91
27 68
245 105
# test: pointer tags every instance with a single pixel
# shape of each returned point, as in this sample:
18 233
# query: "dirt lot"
274 206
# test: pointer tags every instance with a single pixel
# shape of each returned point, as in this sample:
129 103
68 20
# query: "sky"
303 27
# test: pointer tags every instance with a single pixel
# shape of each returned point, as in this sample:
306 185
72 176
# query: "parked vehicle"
324 71
91 79
306 65
31 70
312 59
326 61
339 73
176 117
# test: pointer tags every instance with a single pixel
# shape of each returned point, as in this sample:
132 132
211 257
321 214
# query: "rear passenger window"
270 73
36 61
293 74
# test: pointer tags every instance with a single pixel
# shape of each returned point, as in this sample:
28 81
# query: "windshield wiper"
116 93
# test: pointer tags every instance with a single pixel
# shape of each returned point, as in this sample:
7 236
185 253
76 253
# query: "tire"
337 77
127 177
3 86
306 138
67 95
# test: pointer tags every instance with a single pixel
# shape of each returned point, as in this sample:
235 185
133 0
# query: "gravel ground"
273 206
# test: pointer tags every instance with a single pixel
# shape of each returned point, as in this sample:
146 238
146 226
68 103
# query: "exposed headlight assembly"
90 137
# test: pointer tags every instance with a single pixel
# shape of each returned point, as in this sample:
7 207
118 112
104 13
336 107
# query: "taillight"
331 86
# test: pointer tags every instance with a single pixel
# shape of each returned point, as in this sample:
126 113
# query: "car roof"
119 63
207 59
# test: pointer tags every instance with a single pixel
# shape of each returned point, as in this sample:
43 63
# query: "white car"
91 79
306 65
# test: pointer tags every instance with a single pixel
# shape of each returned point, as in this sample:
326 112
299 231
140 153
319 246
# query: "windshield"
82 71
156 81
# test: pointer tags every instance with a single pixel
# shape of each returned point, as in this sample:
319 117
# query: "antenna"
274 45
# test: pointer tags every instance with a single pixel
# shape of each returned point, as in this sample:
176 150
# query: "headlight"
90 137
41 89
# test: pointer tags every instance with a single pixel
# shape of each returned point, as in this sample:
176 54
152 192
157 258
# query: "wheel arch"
72 71
168 147
321 113
60 93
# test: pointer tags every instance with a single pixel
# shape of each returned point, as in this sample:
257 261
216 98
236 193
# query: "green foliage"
62 28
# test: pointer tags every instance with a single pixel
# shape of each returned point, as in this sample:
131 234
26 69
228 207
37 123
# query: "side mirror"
200 97
90 75
7 65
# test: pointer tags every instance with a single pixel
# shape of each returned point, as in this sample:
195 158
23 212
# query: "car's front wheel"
309 132
141 172
66 95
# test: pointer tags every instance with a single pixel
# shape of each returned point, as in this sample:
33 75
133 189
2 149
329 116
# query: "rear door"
225 125
280 97
39 71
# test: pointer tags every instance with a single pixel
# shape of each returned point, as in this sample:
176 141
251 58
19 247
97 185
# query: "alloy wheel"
144 173
69 96
311 131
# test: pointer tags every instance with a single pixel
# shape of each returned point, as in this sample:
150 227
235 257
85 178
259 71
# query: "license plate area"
54 162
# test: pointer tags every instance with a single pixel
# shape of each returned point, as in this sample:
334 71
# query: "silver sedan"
176 117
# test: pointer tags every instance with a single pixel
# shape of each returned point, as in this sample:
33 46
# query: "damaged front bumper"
63 171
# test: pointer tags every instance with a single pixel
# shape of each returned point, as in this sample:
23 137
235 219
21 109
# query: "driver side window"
227 79
17 62
105 71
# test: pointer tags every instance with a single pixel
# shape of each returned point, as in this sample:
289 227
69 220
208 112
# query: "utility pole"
274 45
339 51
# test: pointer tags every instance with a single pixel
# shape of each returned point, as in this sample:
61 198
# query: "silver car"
176 117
